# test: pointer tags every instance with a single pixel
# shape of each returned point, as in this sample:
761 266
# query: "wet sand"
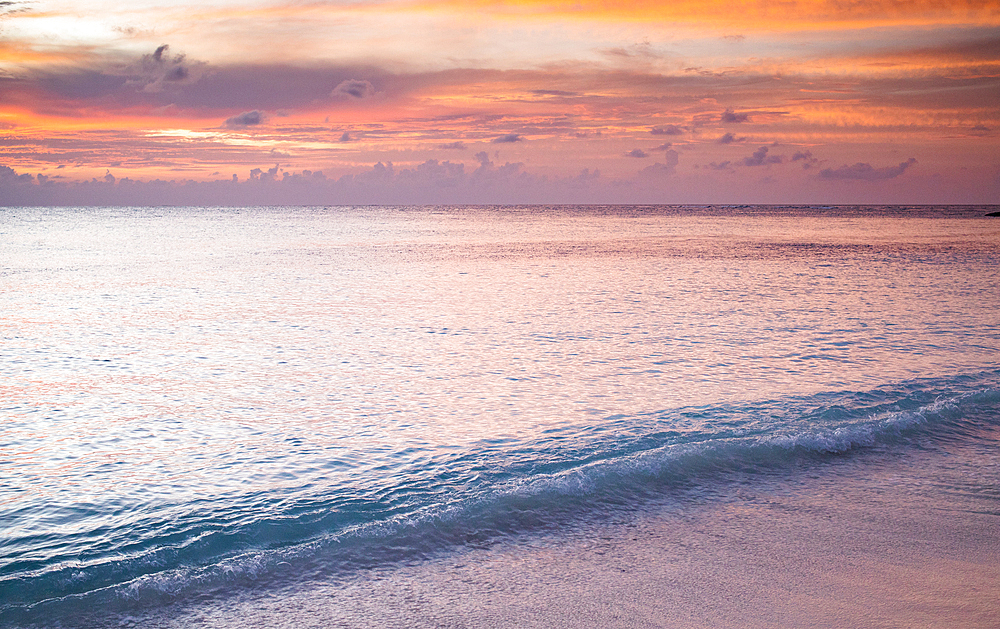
906 543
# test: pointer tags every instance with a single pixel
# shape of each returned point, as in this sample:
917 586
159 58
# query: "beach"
565 416
883 550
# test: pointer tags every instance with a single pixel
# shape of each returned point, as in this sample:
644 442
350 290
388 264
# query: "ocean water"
291 415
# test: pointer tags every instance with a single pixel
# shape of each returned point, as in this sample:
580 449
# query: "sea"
479 416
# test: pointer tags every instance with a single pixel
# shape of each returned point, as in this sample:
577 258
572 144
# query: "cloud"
353 88
866 172
729 138
8 7
667 130
660 171
636 52
561 93
458 146
345 137
159 71
246 119
102 85
761 158
507 139
806 157
662 147
637 153
730 116
429 182
9 176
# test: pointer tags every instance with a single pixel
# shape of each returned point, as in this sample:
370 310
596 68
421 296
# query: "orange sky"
815 101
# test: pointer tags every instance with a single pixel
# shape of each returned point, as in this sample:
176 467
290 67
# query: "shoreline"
811 551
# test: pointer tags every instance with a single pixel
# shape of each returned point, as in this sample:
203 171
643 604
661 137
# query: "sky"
482 101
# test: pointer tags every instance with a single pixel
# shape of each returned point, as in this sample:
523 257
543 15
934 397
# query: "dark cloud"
246 119
730 116
726 165
667 130
507 139
159 71
971 50
345 137
198 89
637 153
866 172
662 147
353 88
980 130
10 7
561 93
806 157
729 138
761 158
458 146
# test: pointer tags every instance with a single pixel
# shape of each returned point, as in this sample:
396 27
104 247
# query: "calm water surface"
197 402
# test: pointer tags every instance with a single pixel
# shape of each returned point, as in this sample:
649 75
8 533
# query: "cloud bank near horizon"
487 183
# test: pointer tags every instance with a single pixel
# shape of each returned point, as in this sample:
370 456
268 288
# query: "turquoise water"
203 403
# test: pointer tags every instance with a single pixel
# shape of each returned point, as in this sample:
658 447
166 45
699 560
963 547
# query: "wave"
497 490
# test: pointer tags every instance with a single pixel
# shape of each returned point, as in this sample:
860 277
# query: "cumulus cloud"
507 139
866 172
730 116
246 119
353 89
761 158
729 138
667 130
9 175
345 137
806 157
458 146
429 182
158 71
660 171
637 153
